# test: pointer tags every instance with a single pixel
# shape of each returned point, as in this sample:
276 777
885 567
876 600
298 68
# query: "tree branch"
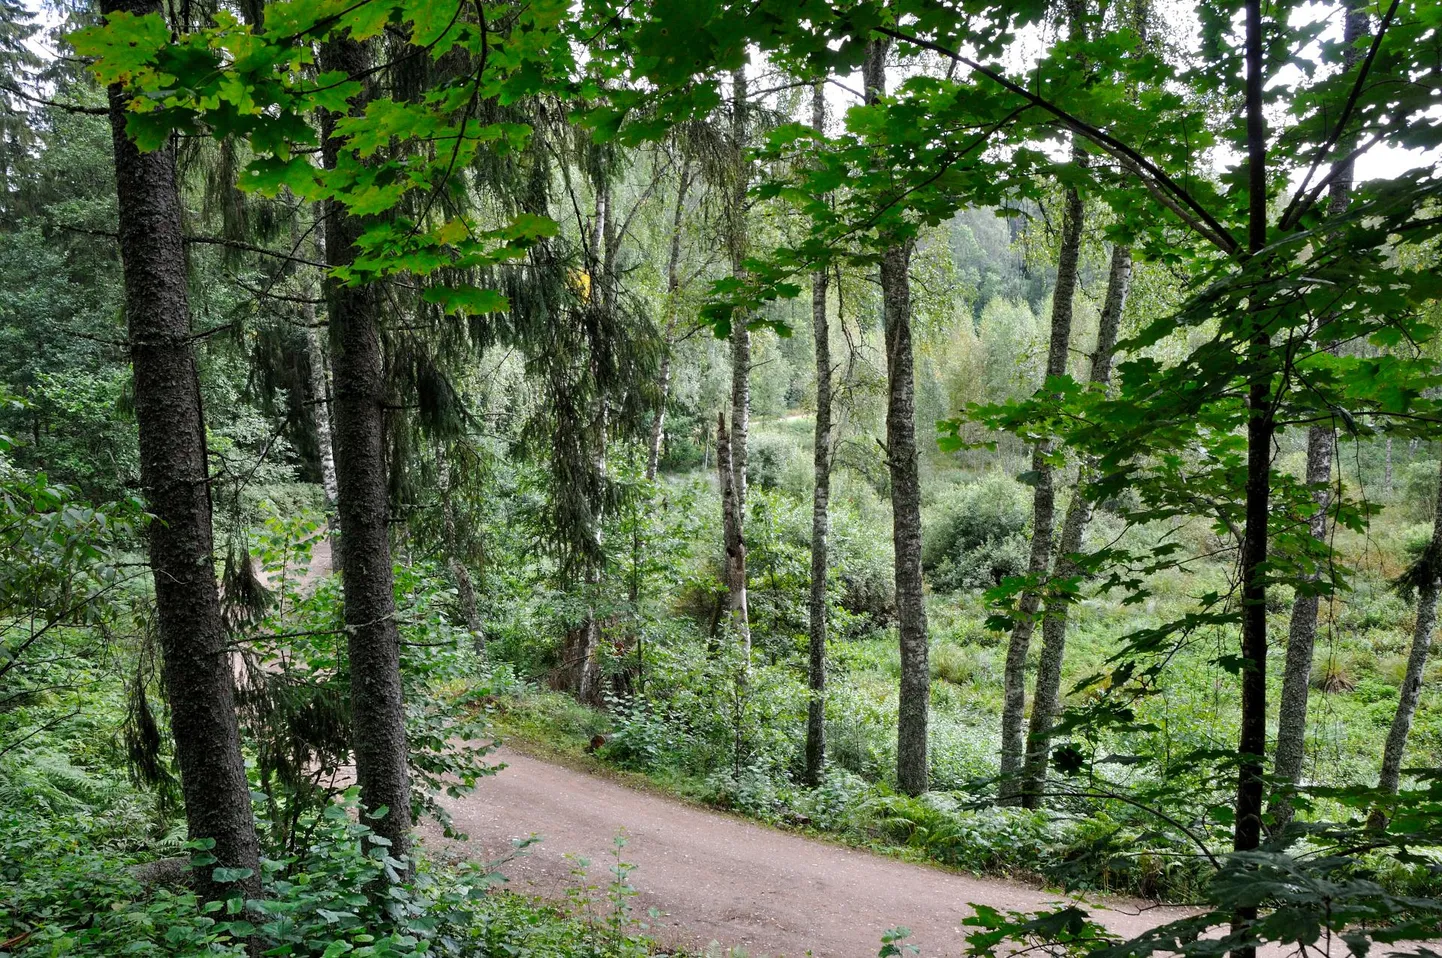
1303 199
1219 234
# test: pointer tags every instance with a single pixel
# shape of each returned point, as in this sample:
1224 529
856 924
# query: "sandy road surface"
719 879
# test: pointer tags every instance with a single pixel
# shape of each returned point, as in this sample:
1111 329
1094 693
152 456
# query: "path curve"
716 878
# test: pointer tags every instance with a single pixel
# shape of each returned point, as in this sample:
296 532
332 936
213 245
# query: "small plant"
893 943
606 910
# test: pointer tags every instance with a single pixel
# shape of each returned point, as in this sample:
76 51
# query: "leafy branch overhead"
397 157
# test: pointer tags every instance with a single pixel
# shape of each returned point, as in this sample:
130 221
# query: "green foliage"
974 534
1417 490
70 890
295 696
453 153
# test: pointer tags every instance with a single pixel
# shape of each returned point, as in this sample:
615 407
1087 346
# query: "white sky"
1382 161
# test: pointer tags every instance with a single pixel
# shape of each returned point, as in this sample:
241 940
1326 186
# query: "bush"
755 792
1417 490
961 753
1096 853
974 536
965 664
643 738
66 888
990 840
833 805
769 457
861 557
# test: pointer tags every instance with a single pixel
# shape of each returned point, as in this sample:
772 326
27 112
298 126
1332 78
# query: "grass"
1364 637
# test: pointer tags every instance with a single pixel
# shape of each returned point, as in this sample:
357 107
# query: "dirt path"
717 878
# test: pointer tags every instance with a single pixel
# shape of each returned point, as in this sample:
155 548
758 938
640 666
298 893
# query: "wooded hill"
382 376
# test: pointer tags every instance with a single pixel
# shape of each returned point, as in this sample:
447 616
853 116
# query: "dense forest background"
375 386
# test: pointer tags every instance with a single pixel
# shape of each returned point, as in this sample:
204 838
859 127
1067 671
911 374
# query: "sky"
1184 30
1380 162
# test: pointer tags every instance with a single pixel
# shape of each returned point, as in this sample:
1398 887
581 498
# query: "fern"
44 781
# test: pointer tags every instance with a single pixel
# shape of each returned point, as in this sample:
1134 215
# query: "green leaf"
226 875
465 300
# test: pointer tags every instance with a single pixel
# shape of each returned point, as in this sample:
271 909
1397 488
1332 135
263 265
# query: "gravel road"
716 878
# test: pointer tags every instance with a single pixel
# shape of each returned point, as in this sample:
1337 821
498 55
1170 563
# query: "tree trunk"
735 561
173 463
1252 739
673 289
904 465
1428 573
740 363
1301 639
820 499
320 392
320 385
603 250
357 356
1043 521
460 575
1046 702
1302 635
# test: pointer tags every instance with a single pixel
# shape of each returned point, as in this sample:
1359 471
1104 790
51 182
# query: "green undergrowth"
92 868
1078 853
696 732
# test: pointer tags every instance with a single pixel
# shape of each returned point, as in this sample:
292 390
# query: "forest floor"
712 877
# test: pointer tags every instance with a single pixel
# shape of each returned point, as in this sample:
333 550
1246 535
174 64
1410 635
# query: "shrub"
642 737
965 664
769 459
989 840
974 536
89 904
1335 672
756 792
961 753
861 555
1095 853
1417 490
833 805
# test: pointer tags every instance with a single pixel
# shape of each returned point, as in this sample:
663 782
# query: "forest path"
718 878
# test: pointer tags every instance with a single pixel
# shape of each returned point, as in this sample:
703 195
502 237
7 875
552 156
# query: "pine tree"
193 641
372 639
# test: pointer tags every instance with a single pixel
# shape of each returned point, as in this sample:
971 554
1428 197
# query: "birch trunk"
1302 631
1043 522
820 499
1046 702
174 475
903 462
673 290
320 392
735 559
740 366
320 389
1428 572
1301 639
